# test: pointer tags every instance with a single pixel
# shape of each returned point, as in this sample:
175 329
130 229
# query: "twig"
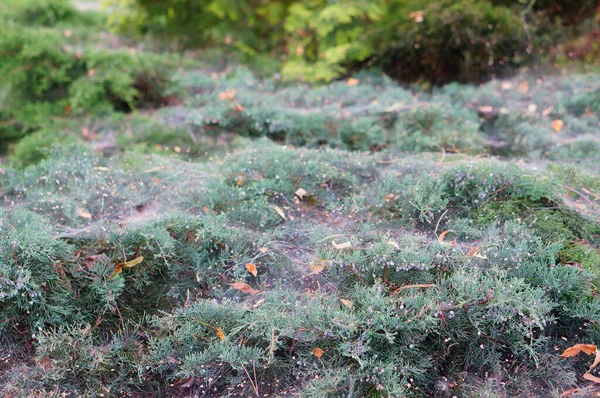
438 224
422 285
252 382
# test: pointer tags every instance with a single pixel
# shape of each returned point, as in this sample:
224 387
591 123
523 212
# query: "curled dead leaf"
127 264
340 246
220 334
300 193
252 269
228 95
244 288
318 352
443 235
577 348
353 82
280 212
263 249
84 214
349 304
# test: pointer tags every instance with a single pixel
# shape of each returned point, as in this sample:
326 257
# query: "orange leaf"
577 348
557 125
317 269
84 214
220 334
318 352
91 72
228 95
252 269
244 288
443 235
127 264
353 82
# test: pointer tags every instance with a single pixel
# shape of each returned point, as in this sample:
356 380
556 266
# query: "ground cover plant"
214 233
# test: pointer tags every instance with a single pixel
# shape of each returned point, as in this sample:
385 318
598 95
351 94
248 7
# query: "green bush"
39 12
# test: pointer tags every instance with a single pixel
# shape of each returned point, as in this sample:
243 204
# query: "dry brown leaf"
506 85
300 193
416 16
391 243
263 249
280 212
443 235
353 82
316 269
252 269
577 348
340 246
244 288
557 125
220 334
84 214
547 111
347 303
475 252
486 109
91 72
318 352
127 264
523 87
228 95
177 149
591 377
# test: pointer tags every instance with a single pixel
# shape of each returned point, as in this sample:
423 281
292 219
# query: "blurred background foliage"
435 41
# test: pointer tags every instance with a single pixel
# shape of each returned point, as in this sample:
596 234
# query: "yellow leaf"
340 246
318 352
244 288
443 235
347 303
127 264
252 269
577 348
397 246
280 212
353 82
84 214
300 193
220 334
557 125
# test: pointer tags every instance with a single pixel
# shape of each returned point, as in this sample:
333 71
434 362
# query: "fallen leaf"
557 125
228 95
244 288
299 50
177 149
416 16
486 109
340 246
506 85
84 214
523 87
300 193
475 252
532 108
547 111
353 82
252 269
317 269
397 246
238 108
347 303
101 168
443 235
68 33
263 249
577 348
591 377
127 264
91 72
220 334
318 352
280 212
